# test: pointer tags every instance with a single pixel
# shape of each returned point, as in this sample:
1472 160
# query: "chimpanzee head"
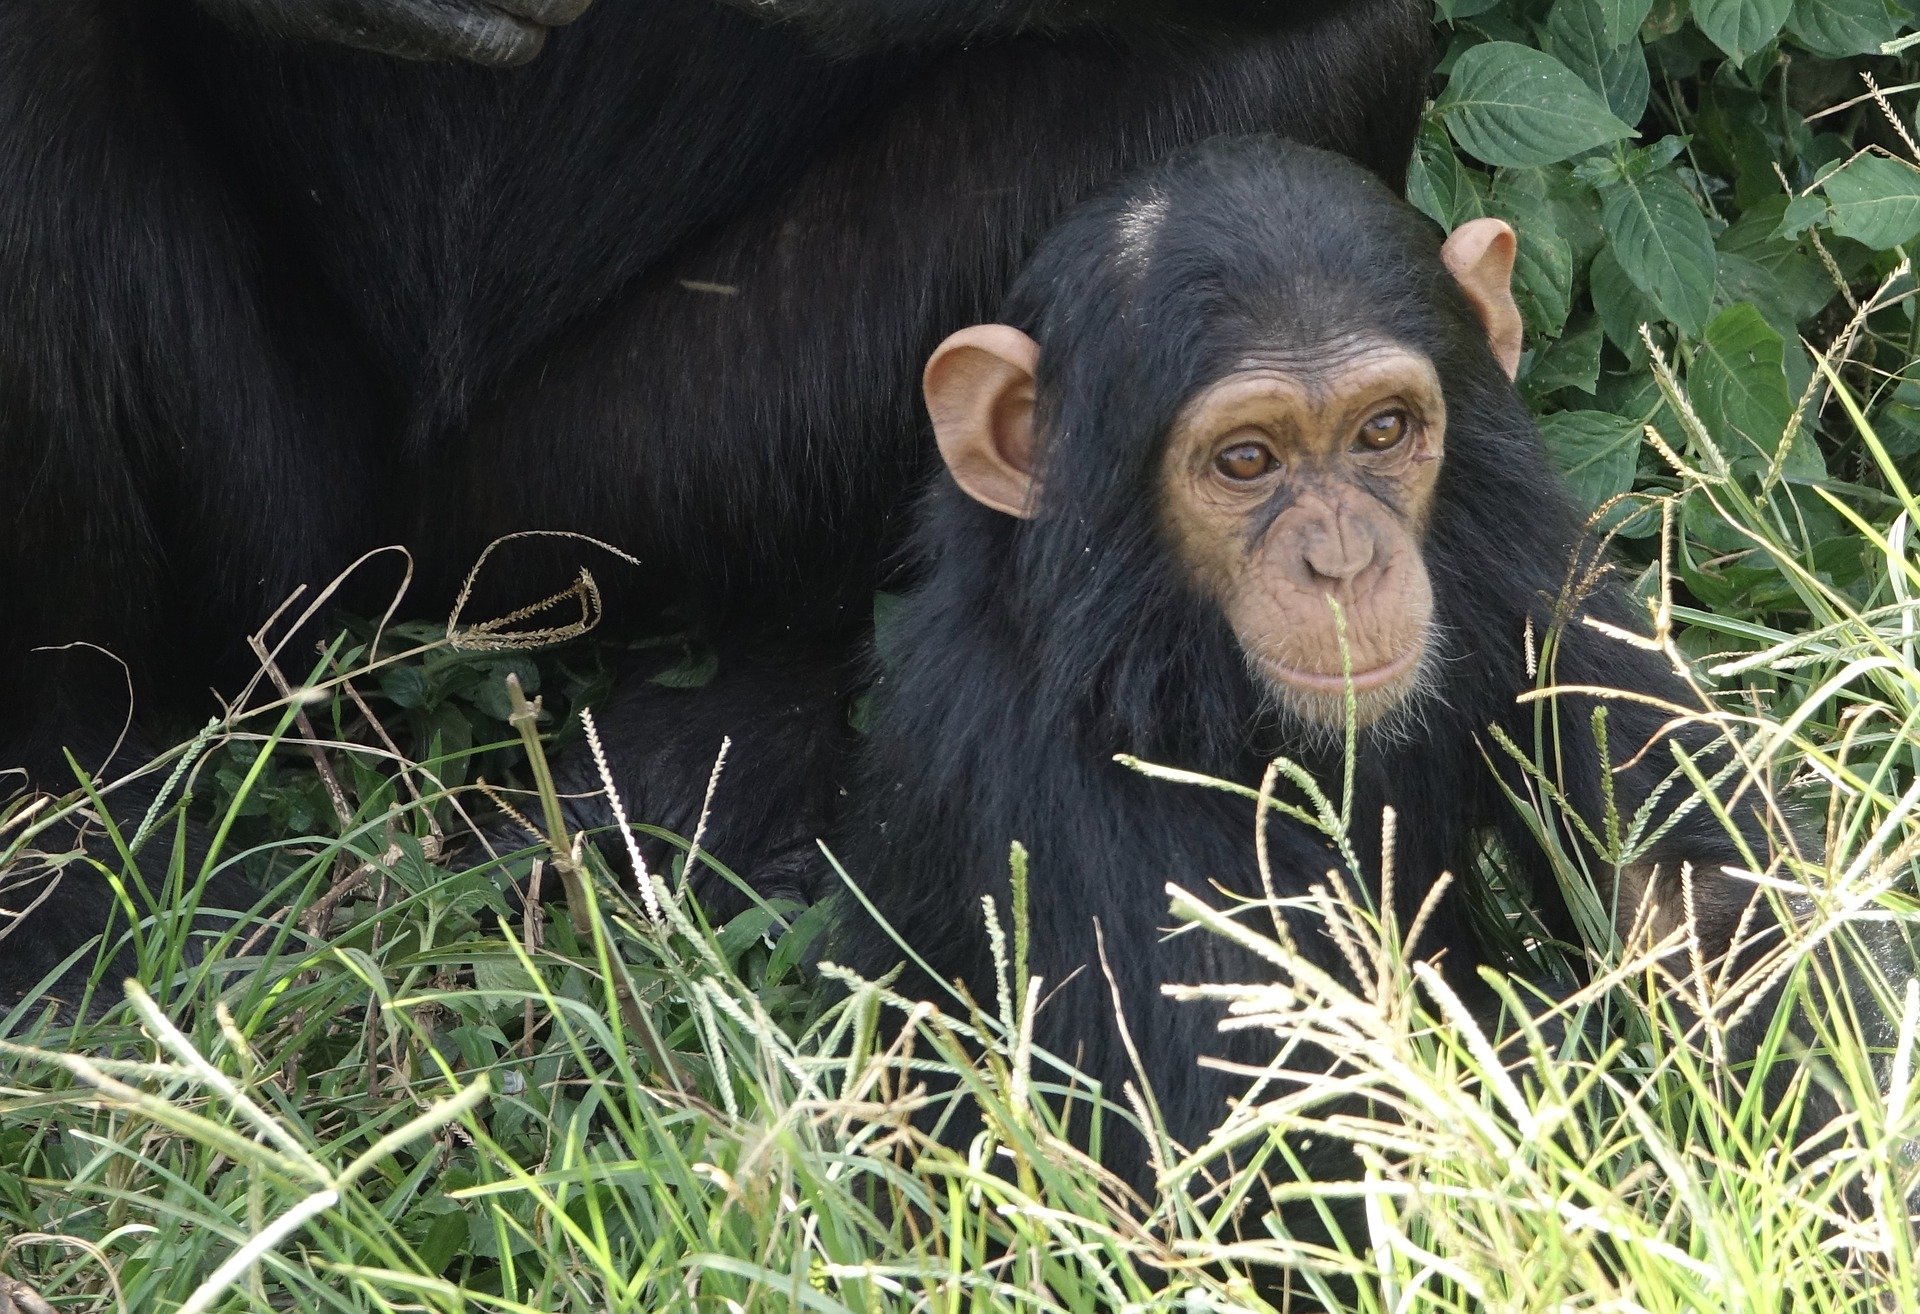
1249 357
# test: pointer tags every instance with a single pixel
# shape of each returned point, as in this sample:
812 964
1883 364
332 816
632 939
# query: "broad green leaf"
1543 271
1651 159
1876 201
490 694
1664 245
1740 27
1743 281
1575 215
1577 34
406 686
1800 214
1838 28
1621 306
500 972
1621 19
1595 452
1735 137
515 664
1448 191
1738 383
1508 105
1785 283
1572 362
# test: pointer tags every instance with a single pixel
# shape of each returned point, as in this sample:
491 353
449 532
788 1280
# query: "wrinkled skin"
490 33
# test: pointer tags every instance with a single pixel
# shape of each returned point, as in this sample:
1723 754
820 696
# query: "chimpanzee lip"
1336 685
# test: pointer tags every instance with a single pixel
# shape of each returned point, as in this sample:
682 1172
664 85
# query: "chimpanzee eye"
1385 430
1244 461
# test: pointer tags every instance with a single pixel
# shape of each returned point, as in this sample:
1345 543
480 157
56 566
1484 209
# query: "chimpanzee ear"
1479 254
979 388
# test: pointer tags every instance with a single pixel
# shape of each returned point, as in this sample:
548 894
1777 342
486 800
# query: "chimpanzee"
1243 441
267 302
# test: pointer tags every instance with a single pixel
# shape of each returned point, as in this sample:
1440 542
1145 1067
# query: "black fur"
265 305
1038 649
860 25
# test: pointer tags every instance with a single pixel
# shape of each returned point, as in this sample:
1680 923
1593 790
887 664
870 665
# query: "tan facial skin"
1350 450
1291 488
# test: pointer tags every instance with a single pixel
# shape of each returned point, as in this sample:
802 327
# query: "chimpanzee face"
1296 491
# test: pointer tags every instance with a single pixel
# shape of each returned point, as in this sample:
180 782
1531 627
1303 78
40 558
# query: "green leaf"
1595 452
1576 216
1508 105
524 667
1876 201
498 971
406 686
1572 362
490 694
1664 245
1784 283
1649 160
695 670
1740 27
889 614
1577 33
1838 28
1800 214
1738 383
1621 19
1448 191
1621 306
1543 271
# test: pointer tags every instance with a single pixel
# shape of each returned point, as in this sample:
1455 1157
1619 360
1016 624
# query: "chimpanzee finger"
548 13
469 31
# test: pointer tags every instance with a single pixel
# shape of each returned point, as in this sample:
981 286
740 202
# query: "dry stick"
533 937
369 1032
313 609
386 741
311 737
322 908
126 673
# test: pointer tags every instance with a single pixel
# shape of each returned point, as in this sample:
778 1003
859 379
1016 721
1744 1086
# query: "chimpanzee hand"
490 32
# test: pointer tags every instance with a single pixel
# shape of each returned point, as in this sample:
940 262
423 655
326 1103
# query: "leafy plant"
1729 185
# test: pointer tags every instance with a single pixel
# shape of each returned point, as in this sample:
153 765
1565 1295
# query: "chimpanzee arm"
1689 889
852 26
506 32
490 32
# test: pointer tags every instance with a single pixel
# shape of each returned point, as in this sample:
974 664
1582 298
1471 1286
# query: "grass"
392 1091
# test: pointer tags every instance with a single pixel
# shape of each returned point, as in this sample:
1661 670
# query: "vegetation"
394 1091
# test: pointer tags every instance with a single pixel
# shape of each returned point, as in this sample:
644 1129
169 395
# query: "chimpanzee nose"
1336 549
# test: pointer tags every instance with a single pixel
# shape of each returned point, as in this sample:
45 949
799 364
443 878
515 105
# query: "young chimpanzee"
1246 439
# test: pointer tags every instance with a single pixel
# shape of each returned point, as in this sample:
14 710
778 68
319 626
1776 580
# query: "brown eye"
1385 430
1244 461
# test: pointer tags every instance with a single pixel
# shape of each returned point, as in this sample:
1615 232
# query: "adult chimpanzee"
1248 385
267 303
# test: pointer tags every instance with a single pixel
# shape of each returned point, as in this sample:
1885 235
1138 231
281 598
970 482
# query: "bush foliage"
1738 177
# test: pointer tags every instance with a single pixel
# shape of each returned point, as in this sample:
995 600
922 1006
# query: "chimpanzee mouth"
1335 686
